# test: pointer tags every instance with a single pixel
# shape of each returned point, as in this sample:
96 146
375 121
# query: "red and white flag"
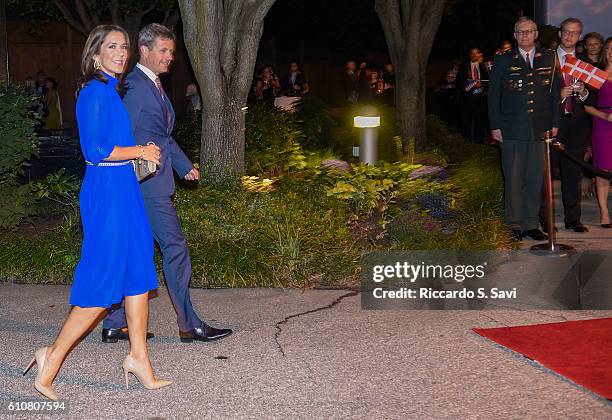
586 72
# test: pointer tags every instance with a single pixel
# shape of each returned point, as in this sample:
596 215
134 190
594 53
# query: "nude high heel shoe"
130 365
39 360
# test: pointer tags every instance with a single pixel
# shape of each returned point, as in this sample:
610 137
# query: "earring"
96 65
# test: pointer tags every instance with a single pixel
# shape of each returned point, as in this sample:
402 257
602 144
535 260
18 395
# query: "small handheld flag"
586 72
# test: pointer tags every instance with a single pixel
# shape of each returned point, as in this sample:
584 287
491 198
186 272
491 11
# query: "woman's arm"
149 152
597 113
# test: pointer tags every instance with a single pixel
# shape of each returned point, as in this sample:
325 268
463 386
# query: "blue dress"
117 250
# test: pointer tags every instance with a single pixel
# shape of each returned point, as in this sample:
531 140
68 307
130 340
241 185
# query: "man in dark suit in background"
472 80
152 118
523 101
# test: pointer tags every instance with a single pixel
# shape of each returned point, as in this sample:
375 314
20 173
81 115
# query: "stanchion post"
551 249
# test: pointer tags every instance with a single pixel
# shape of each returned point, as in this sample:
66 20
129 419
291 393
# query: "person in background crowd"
580 48
53 120
350 82
30 84
365 95
574 130
268 85
523 104
447 100
471 93
294 83
593 42
40 91
599 105
388 77
376 84
194 101
505 46
554 44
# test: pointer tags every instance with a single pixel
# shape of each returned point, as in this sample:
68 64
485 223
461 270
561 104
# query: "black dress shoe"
535 234
204 333
112 335
606 225
577 227
517 235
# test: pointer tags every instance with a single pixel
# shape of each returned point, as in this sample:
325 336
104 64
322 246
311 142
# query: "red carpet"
579 350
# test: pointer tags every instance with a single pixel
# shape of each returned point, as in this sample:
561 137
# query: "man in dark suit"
472 80
524 95
574 130
152 118
294 83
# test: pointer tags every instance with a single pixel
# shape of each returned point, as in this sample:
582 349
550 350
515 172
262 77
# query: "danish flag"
586 72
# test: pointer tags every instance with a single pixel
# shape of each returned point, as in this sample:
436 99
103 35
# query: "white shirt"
561 53
148 72
531 54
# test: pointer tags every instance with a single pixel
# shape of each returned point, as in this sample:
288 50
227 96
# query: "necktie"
475 72
567 106
528 60
161 94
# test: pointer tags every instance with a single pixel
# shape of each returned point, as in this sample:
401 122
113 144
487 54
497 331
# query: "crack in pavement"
279 330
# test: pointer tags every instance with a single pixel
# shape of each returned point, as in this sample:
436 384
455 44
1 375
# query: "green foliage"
367 188
315 123
18 144
287 237
273 141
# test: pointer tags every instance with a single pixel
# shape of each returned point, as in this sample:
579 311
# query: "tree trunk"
410 86
222 142
410 28
222 39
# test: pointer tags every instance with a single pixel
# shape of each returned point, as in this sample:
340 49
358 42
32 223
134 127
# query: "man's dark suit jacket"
149 123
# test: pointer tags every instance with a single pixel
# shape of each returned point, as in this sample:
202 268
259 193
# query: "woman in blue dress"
117 250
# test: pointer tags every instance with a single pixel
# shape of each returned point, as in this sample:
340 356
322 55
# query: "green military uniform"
523 104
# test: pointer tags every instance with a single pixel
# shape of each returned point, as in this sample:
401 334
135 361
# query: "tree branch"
388 12
68 17
431 22
84 15
113 6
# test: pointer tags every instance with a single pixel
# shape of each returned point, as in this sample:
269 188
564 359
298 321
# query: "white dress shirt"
531 54
147 71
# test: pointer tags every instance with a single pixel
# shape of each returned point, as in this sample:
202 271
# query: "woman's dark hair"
93 46
52 80
603 60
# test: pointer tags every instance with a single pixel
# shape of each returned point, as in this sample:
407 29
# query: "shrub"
18 144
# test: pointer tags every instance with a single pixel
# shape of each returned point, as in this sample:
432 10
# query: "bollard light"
368 143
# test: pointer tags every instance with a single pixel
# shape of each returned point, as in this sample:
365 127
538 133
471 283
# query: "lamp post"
368 143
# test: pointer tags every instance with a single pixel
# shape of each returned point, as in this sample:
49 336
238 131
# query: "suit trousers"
523 169
176 260
474 117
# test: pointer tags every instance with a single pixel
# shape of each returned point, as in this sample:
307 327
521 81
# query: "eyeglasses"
571 33
526 33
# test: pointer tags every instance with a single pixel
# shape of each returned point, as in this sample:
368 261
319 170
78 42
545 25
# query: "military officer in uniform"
524 97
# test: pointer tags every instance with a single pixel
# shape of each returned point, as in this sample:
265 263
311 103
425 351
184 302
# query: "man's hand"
193 175
566 91
496 135
555 131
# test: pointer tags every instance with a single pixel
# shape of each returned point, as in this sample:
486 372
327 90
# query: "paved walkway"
337 362
313 354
